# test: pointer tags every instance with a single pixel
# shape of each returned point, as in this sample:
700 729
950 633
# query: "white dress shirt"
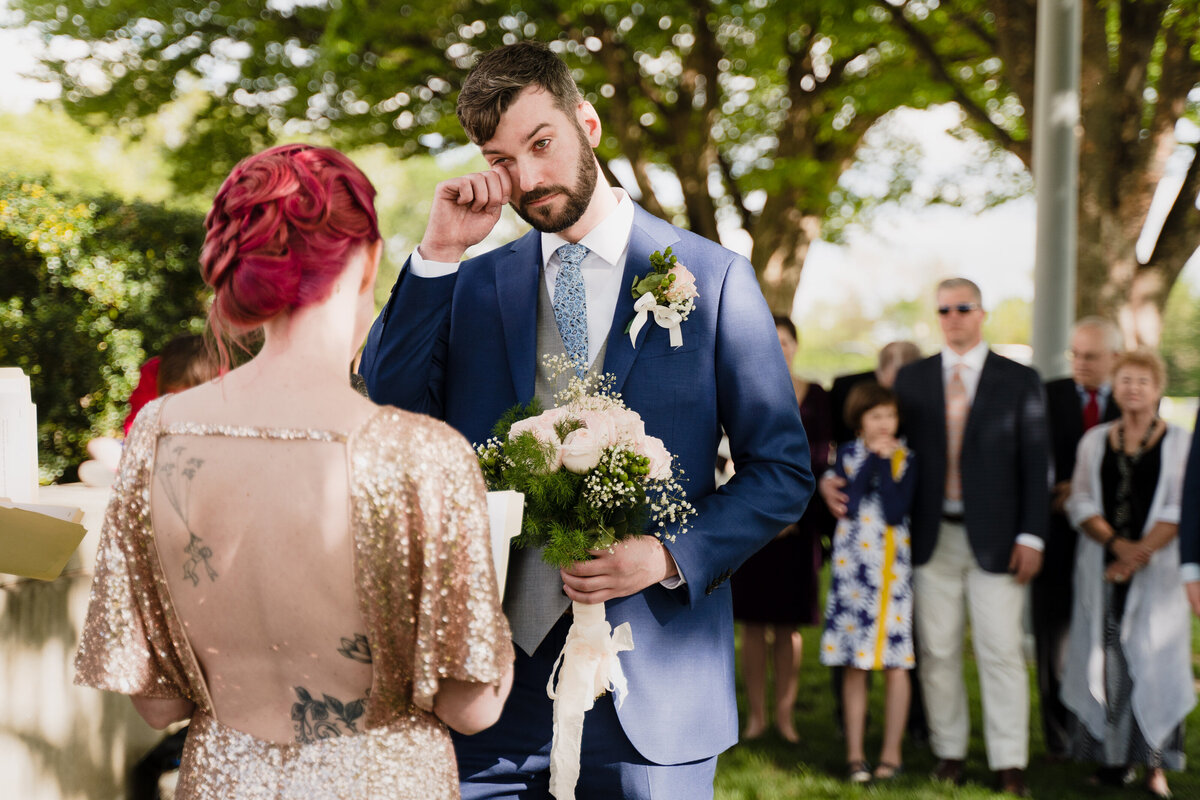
970 366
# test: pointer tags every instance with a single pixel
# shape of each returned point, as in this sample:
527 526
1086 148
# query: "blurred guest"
321 625
185 361
1189 524
868 614
145 391
1073 406
892 356
977 424
1128 673
775 590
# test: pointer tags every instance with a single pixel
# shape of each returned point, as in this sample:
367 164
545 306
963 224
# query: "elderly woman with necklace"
1128 676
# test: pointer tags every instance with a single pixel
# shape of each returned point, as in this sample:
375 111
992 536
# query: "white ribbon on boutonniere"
664 316
668 291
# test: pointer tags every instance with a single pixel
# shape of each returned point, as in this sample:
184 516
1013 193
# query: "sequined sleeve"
125 646
462 632
430 491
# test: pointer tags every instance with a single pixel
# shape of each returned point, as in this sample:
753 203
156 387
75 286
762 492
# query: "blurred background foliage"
91 283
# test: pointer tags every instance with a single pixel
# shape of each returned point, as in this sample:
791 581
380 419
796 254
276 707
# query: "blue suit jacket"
462 348
1189 517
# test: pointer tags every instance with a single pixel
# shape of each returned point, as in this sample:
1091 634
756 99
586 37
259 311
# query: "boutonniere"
668 292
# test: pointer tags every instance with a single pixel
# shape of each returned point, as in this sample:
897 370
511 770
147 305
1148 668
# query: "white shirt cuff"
1189 573
1031 541
676 580
423 268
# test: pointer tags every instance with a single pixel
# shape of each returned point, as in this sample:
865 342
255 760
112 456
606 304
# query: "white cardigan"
1156 628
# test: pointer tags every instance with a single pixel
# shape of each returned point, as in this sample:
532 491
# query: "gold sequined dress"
428 600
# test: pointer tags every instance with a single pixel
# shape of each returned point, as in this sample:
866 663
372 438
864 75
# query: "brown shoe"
1012 781
949 770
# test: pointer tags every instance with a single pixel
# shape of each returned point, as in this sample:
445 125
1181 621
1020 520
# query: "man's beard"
578 198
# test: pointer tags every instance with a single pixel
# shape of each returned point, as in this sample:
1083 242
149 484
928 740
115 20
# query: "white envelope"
505 510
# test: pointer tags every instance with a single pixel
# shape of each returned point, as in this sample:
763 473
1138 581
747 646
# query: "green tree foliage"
1140 76
755 107
1181 341
89 286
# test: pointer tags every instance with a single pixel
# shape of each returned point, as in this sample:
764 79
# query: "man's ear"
589 120
371 270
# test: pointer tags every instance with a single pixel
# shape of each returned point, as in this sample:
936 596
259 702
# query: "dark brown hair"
186 361
502 74
862 398
786 323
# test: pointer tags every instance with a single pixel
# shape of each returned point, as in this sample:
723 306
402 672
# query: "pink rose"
542 428
684 287
601 424
629 426
660 459
581 450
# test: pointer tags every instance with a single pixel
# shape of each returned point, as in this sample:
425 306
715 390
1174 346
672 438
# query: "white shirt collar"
972 359
608 239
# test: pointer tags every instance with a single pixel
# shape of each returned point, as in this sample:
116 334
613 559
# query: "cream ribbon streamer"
589 667
665 317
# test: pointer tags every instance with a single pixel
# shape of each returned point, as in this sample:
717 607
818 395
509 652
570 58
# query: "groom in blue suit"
463 342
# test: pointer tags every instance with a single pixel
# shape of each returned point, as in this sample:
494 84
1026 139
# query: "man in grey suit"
977 424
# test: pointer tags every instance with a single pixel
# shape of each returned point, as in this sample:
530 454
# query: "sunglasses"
962 308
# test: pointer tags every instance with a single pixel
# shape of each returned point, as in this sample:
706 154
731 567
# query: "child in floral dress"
868 613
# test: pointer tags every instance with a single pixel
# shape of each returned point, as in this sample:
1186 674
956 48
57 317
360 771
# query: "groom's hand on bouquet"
627 568
463 213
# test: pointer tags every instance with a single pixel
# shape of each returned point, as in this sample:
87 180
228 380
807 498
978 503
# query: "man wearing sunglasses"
977 424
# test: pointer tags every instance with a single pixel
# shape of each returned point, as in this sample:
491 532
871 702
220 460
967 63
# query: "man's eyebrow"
491 150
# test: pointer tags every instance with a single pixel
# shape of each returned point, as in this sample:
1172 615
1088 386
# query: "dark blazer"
837 404
1189 518
463 348
1005 457
1064 417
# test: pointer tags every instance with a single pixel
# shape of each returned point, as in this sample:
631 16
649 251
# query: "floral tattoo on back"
177 476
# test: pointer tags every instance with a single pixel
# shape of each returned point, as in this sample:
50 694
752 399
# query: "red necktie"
1091 410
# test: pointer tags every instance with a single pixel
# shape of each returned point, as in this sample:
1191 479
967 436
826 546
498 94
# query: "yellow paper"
35 545
505 509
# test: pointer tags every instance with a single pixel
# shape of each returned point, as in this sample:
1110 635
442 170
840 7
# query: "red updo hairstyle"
280 231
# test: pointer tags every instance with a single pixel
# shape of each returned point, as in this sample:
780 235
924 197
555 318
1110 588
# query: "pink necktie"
956 421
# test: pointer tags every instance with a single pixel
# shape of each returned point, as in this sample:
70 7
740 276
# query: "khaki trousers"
946 589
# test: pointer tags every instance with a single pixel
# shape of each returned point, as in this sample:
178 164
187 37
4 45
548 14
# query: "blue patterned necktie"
570 305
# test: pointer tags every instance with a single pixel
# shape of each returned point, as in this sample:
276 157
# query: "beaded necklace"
1126 463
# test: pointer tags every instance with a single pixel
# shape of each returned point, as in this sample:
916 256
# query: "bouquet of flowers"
591 477
590 474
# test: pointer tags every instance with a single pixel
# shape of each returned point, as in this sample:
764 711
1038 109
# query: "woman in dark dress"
775 591
1128 674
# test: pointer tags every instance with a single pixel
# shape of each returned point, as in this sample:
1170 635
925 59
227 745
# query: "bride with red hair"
303 574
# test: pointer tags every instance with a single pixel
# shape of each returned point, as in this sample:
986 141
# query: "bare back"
253 531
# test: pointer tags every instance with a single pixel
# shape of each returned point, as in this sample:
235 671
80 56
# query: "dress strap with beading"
252 432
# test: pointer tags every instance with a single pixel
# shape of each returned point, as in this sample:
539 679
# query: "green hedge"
89 286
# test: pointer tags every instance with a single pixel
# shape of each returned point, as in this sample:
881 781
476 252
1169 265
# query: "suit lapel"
649 234
937 385
517 291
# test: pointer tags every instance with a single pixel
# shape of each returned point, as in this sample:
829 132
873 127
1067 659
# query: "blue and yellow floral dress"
868 613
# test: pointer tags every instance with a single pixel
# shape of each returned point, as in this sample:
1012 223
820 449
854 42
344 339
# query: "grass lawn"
770 768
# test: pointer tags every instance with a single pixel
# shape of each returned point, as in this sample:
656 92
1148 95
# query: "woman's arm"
470 707
159 713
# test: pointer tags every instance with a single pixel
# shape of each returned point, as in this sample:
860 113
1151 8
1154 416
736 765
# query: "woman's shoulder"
394 433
